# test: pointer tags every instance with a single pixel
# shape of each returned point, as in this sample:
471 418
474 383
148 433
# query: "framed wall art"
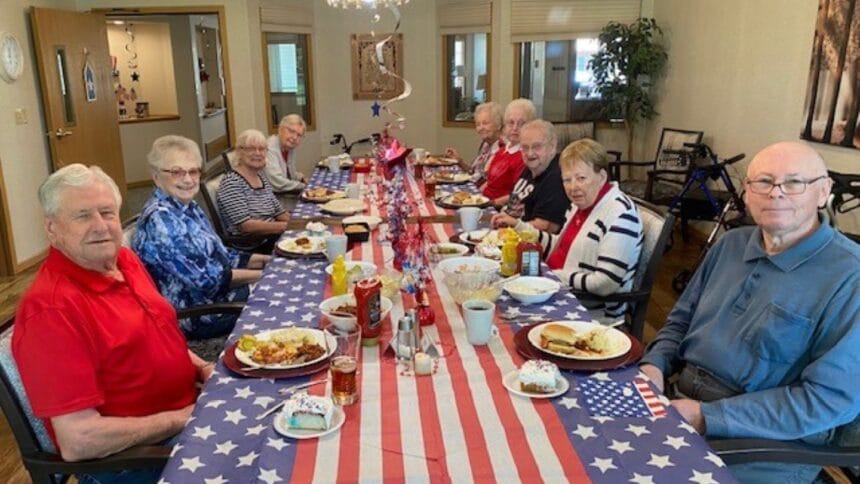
368 80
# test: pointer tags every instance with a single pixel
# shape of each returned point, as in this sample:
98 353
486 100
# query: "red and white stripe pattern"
652 400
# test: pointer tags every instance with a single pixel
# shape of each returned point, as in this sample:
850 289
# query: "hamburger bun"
558 338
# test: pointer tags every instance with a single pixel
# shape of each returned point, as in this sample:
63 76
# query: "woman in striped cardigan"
597 250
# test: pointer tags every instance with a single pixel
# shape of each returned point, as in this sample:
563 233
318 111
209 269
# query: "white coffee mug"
353 190
335 245
478 315
469 217
420 154
333 163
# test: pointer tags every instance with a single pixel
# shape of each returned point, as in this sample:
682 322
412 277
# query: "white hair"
524 105
292 120
250 136
164 147
74 175
548 130
492 108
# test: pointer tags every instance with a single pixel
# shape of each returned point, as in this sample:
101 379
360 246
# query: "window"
289 87
467 76
556 77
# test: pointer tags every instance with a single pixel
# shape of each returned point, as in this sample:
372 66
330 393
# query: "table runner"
459 425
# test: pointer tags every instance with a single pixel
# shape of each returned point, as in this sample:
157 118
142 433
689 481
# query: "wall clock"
11 57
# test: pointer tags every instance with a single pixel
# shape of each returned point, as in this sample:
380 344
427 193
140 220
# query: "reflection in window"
289 83
466 71
555 75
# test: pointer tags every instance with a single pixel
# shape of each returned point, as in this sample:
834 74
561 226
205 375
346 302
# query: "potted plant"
629 58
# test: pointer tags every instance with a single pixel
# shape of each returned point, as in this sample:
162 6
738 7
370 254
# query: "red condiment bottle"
369 310
528 255
426 315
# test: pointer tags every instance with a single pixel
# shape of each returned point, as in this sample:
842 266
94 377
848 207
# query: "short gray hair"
494 109
292 120
524 105
548 130
248 136
164 147
74 175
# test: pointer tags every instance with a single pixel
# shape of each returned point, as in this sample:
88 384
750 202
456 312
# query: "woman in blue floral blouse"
176 242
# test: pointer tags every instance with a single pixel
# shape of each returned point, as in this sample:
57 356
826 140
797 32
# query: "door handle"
60 133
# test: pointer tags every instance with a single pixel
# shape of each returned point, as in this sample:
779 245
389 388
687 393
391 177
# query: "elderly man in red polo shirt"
100 352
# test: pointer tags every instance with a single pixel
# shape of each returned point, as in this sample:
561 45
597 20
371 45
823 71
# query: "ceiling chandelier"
359 4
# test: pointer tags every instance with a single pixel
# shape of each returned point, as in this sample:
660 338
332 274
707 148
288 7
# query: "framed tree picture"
368 80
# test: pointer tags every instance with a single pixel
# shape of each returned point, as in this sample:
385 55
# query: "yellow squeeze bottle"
339 277
509 252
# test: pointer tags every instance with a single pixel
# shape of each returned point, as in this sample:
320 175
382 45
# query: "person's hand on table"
503 220
655 375
453 153
258 261
691 410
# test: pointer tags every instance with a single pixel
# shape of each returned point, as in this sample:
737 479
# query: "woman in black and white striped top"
598 248
246 202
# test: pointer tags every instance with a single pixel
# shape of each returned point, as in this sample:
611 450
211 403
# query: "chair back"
569 132
656 230
129 228
674 139
209 185
229 159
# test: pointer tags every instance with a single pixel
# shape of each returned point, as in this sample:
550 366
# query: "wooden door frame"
222 37
7 244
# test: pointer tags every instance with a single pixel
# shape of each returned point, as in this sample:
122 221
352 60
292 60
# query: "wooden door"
81 119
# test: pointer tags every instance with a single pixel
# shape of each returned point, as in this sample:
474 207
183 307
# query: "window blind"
292 17
464 16
535 20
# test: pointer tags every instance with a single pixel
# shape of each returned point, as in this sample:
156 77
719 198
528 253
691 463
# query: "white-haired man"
284 177
100 353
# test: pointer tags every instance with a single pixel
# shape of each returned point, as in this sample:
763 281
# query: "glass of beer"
344 363
430 186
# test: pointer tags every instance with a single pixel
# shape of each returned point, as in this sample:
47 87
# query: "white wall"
23 148
152 44
738 71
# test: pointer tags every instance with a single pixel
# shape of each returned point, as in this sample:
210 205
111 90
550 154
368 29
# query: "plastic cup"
430 187
478 315
353 190
343 364
335 245
469 217
420 154
333 163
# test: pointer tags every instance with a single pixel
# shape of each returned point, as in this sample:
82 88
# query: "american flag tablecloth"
373 193
459 425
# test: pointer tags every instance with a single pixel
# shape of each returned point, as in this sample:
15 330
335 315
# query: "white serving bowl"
456 250
368 269
348 322
532 289
372 221
471 278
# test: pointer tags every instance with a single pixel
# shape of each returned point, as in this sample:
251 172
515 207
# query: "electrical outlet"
20 116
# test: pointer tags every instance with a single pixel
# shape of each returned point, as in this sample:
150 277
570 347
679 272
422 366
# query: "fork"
511 317
290 391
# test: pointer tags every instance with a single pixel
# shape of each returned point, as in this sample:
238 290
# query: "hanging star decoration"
135 76
375 108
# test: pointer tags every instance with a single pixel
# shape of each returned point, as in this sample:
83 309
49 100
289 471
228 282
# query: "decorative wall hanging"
90 82
832 103
368 80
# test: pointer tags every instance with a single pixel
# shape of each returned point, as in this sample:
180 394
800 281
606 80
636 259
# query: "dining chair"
567 133
844 198
38 453
209 185
665 175
656 228
129 227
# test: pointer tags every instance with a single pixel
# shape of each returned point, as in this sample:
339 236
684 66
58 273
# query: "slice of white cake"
303 411
538 376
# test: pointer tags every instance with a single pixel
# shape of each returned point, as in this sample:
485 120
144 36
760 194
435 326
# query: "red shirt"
505 169
559 254
84 340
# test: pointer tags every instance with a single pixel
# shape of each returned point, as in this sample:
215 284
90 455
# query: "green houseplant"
629 59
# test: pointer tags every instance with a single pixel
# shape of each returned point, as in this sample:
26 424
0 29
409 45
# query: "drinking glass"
430 186
343 364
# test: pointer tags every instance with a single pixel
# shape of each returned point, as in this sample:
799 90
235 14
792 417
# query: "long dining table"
459 424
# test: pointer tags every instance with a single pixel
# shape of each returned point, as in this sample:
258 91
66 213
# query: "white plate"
289 245
483 237
338 417
512 383
368 269
344 163
335 195
343 206
439 161
475 200
244 357
457 178
371 220
619 342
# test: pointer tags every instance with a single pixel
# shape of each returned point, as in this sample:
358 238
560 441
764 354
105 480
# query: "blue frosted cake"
303 411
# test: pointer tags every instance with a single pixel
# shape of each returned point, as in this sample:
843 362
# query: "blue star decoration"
135 76
375 108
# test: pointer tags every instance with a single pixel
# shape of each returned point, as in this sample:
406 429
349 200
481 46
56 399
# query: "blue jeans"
140 476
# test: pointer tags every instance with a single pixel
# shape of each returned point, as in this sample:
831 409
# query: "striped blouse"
239 202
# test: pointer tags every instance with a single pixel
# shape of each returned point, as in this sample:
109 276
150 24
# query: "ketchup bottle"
426 315
369 310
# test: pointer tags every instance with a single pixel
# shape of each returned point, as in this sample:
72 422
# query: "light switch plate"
20 116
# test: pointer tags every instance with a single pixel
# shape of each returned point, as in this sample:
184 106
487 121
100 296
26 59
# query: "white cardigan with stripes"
604 256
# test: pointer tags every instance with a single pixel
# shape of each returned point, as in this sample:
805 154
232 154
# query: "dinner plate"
244 357
344 164
457 178
619 343
239 368
512 383
438 161
528 351
334 195
447 201
338 417
343 206
289 246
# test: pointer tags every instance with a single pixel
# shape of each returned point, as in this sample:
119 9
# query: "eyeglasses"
179 173
296 133
534 147
253 148
788 187
515 123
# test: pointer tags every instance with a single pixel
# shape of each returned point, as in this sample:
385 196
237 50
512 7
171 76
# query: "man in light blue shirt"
766 333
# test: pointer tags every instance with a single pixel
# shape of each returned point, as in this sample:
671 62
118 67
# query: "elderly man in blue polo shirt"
765 336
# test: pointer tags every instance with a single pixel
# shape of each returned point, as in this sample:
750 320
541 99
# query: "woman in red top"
505 167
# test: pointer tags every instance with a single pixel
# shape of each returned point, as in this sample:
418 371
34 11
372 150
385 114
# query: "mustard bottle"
509 252
339 277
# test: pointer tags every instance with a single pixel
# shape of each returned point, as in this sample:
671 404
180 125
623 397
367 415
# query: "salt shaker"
407 337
